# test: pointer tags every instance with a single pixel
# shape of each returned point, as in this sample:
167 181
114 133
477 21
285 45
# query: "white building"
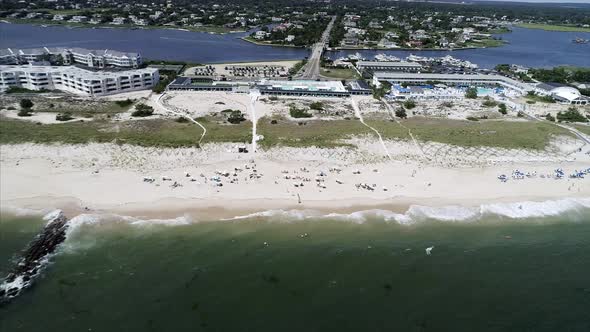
90 58
569 95
77 80
119 21
79 19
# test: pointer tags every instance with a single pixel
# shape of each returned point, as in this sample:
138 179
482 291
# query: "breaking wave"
574 207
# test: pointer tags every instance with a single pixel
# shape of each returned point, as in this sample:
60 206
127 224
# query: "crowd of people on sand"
216 179
296 178
557 174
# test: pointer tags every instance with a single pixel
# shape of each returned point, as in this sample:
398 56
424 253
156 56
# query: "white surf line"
392 113
254 94
159 102
357 112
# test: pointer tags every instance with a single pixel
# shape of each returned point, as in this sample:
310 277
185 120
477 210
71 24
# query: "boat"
579 40
385 57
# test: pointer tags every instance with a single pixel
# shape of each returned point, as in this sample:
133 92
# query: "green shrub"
571 115
181 119
124 103
25 112
142 110
502 109
64 117
550 117
236 117
26 103
401 113
471 93
409 104
489 103
318 106
299 113
472 118
520 114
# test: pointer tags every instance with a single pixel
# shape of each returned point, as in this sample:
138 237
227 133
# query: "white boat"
385 57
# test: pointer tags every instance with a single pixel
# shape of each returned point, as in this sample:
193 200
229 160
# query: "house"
374 24
78 19
290 38
260 34
387 44
119 20
350 39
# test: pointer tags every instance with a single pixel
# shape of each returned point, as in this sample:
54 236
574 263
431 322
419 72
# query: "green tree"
409 104
26 103
401 113
471 93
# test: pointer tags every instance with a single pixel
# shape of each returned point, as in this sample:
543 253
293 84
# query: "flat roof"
303 85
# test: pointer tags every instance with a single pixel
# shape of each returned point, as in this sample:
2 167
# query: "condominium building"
77 80
90 58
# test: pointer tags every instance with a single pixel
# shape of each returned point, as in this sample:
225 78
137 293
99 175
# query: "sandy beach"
224 183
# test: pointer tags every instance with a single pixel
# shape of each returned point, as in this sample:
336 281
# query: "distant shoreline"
550 27
205 29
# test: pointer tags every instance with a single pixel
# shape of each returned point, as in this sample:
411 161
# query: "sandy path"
358 114
167 109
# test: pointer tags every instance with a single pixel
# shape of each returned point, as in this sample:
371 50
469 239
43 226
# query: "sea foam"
451 213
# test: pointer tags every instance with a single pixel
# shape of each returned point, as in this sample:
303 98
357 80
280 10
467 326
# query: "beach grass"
584 129
533 135
319 133
149 132
552 27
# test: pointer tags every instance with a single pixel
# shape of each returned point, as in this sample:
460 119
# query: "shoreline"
213 210
266 44
121 26
551 27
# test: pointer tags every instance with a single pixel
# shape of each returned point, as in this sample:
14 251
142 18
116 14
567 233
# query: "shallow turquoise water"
492 275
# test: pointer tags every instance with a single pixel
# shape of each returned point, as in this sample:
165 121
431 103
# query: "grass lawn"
343 74
159 132
486 43
550 27
504 134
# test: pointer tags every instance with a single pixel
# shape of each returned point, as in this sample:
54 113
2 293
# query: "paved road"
311 70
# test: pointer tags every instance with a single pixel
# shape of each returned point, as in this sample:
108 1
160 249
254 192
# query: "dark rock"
34 256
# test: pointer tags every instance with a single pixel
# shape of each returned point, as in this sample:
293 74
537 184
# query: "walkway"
168 108
358 114
254 94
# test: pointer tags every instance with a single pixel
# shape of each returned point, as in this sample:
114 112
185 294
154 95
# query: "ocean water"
498 268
